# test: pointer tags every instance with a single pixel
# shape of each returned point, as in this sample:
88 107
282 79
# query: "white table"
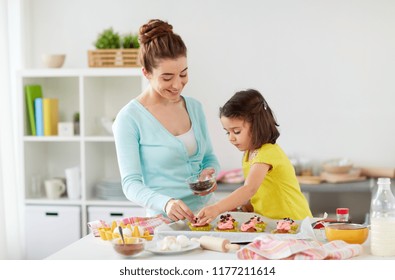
94 248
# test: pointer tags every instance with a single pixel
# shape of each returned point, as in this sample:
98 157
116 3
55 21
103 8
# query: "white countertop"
94 248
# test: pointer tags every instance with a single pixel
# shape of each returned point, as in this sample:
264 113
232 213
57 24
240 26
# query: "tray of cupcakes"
241 227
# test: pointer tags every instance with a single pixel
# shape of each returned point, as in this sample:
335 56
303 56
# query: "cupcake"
286 225
254 224
226 223
259 223
230 217
195 226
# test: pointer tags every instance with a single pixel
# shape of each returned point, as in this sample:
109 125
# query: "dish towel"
148 223
270 248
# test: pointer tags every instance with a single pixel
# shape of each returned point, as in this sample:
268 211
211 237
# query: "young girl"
271 184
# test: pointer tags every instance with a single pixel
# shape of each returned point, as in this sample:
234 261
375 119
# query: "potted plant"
114 50
76 121
108 39
130 41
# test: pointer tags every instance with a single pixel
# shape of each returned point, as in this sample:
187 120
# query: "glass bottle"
382 217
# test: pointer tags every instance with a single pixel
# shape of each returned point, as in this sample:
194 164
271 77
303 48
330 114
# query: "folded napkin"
270 248
231 176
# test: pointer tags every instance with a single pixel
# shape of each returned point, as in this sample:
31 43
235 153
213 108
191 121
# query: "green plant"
76 117
108 39
130 41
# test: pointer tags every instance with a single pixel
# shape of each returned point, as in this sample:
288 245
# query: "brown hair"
157 41
250 106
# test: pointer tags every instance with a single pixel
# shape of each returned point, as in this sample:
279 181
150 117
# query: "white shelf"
51 139
94 93
46 201
81 72
100 202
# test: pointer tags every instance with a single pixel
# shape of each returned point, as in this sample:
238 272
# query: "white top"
189 141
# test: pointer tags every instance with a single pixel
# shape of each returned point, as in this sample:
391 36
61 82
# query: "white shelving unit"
94 93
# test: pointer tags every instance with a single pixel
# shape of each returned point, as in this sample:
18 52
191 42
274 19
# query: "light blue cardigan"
153 163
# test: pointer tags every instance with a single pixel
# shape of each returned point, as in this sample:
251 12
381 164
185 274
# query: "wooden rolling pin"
377 172
216 244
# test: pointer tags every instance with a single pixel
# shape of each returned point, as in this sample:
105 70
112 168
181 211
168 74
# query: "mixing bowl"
132 246
337 166
201 183
350 233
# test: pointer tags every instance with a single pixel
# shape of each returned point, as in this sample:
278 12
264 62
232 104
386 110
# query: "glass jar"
342 215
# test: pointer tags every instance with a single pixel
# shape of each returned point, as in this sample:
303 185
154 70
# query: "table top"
94 248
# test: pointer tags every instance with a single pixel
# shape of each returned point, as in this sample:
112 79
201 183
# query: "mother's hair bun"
153 29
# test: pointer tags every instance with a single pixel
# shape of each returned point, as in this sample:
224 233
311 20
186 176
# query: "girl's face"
169 78
238 132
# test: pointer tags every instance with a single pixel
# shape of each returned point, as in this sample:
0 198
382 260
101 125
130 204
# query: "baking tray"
305 230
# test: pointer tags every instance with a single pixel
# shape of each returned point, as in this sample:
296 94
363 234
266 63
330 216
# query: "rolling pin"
216 244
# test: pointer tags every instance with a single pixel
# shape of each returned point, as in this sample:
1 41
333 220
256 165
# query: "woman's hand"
207 172
177 210
208 214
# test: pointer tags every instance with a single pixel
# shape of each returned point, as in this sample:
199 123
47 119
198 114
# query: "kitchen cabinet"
109 214
94 94
50 228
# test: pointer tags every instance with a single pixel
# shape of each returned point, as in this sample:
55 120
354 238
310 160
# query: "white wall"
325 67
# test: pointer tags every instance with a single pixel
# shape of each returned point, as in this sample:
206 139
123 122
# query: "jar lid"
342 211
383 181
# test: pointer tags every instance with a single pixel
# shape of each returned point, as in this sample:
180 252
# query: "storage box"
113 58
65 129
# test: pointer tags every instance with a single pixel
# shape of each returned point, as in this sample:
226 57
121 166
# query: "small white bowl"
53 60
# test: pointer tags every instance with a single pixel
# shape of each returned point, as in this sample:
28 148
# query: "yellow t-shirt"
279 196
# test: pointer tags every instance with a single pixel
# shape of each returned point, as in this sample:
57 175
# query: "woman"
161 136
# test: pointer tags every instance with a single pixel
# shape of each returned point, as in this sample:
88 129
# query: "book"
51 116
38 114
32 92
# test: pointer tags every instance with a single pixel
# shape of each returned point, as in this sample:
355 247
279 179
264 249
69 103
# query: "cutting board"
309 180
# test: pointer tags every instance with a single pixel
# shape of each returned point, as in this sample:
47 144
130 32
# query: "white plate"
192 246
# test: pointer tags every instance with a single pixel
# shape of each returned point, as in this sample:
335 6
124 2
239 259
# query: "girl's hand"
177 210
247 207
207 214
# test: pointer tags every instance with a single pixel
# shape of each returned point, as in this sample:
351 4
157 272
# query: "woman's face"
169 78
238 132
